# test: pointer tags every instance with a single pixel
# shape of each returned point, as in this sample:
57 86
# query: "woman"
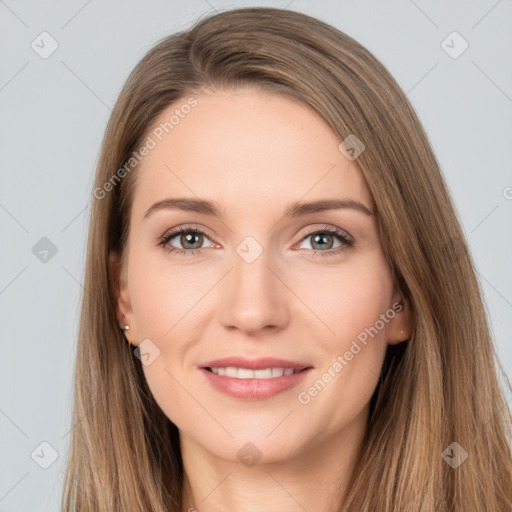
322 344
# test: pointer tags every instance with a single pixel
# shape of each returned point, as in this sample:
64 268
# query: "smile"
246 373
254 379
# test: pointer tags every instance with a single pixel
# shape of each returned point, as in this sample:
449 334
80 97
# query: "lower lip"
254 389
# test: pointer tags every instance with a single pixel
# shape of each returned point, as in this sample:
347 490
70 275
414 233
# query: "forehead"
247 149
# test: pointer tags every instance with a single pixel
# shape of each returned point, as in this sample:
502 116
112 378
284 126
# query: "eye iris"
186 238
323 245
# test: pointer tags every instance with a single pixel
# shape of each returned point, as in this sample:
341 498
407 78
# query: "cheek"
166 303
174 395
162 295
352 303
348 300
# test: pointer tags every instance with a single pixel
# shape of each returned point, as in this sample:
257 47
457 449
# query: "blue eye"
320 236
186 236
195 237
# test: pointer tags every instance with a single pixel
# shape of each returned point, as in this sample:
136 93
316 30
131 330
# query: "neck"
316 478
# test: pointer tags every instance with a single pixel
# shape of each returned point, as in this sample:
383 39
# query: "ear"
400 326
119 286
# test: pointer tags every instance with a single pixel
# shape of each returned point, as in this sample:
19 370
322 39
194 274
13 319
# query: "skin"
256 153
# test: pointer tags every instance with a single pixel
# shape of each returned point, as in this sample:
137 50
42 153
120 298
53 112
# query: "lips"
240 377
256 364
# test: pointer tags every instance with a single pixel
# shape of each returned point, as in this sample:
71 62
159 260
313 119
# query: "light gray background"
53 115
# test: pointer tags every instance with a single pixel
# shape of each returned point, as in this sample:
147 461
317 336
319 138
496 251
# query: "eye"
191 240
323 240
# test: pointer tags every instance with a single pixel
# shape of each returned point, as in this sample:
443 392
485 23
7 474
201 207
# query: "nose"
254 295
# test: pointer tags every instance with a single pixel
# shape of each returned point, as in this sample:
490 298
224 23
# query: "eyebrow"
294 210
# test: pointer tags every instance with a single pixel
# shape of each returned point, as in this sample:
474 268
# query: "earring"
401 331
125 328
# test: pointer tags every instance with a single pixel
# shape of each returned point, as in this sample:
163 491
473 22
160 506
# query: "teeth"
245 373
231 371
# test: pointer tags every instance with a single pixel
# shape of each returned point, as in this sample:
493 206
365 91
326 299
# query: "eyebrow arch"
294 210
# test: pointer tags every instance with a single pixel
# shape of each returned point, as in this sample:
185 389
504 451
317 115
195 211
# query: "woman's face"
263 279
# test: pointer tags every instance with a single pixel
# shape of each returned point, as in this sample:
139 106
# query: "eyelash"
346 242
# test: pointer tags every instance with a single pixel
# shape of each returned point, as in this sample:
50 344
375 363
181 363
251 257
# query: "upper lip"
255 364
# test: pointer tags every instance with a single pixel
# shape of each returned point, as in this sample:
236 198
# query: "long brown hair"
438 388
